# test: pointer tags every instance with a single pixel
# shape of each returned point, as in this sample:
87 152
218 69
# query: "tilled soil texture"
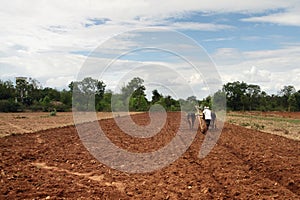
28 122
244 164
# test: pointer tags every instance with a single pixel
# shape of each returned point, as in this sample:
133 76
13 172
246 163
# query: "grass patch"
257 126
53 112
245 124
275 119
286 127
20 117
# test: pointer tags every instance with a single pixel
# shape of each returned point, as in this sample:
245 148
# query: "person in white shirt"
207 116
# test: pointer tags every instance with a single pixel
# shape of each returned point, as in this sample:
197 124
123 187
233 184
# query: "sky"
54 41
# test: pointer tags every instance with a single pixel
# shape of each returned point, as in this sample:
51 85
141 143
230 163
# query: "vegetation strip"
280 119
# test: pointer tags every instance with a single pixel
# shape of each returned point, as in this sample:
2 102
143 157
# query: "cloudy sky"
252 41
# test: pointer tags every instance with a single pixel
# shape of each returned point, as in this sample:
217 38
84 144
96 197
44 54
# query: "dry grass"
19 123
278 124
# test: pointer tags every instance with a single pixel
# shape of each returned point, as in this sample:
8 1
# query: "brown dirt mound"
245 164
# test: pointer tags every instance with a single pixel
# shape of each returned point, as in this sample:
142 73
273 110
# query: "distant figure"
191 119
213 120
202 123
207 116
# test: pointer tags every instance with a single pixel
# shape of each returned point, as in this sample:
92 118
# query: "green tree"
84 93
46 103
134 88
169 103
34 90
138 103
21 89
219 100
27 90
71 86
245 101
253 92
192 99
262 101
66 97
287 90
297 96
105 103
189 104
286 94
234 93
100 90
7 90
156 96
292 102
9 105
53 94
117 103
207 101
133 95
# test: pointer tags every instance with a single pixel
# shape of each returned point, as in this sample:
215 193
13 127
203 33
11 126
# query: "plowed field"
244 164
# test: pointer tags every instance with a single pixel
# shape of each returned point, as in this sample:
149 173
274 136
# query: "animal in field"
202 125
213 120
191 117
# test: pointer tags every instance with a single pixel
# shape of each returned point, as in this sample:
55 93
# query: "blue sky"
243 35
257 42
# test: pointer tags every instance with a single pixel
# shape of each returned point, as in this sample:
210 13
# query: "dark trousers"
207 121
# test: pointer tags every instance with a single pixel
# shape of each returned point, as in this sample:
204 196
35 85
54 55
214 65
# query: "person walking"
207 116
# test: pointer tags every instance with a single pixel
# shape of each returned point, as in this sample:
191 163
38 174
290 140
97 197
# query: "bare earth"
18 123
245 164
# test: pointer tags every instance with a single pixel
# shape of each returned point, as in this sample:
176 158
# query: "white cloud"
59 82
228 56
289 18
199 26
42 66
37 36
195 79
255 75
270 69
218 39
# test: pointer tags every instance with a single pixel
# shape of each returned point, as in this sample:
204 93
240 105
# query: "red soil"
245 164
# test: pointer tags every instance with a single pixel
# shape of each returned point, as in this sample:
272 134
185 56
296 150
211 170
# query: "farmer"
207 116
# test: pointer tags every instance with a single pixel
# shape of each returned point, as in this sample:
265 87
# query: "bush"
36 107
9 106
62 108
53 112
257 126
103 107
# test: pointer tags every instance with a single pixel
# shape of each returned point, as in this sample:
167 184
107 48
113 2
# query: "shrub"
36 106
9 106
257 126
245 124
53 112
62 108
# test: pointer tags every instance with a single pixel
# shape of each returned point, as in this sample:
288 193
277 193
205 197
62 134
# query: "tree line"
90 94
248 97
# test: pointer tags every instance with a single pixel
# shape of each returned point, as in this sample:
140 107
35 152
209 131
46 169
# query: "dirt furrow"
244 164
